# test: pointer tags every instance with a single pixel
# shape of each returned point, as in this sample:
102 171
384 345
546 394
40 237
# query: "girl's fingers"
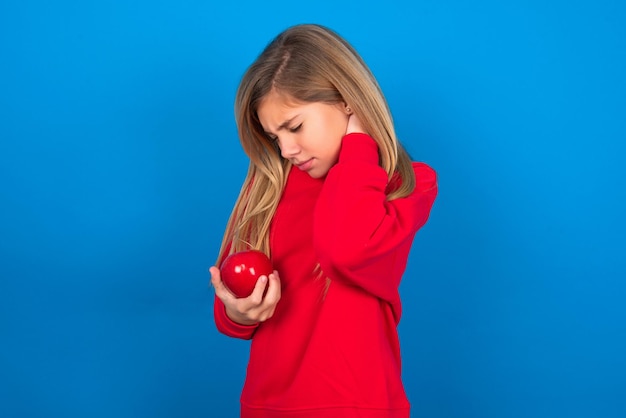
256 297
273 291
215 275
221 290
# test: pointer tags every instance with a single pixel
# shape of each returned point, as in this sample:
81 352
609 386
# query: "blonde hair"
309 63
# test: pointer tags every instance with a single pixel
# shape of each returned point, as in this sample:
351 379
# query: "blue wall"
119 163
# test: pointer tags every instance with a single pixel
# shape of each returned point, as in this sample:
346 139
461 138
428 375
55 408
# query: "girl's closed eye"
295 129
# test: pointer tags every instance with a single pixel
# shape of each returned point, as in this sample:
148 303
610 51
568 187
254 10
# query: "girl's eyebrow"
284 124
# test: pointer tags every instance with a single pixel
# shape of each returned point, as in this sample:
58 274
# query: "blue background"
119 164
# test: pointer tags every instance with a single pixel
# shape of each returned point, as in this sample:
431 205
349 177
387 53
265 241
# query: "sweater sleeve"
227 326
359 236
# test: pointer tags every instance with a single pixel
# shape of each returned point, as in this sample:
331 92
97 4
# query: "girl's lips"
305 165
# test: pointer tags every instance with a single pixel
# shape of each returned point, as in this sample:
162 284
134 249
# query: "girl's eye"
296 129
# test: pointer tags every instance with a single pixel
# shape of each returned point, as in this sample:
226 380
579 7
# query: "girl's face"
308 134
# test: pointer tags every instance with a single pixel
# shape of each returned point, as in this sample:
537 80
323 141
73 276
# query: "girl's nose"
289 147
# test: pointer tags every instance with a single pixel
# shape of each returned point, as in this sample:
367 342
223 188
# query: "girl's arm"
359 236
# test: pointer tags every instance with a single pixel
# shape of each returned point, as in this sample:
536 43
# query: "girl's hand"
354 125
256 307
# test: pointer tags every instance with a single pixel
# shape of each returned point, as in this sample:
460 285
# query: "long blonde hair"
309 63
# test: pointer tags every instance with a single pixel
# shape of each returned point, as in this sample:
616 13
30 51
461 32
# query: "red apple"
240 271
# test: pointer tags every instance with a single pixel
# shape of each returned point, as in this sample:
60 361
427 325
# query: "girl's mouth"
306 165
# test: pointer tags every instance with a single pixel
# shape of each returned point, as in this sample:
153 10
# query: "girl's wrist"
238 319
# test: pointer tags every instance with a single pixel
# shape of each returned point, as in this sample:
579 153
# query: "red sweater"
335 354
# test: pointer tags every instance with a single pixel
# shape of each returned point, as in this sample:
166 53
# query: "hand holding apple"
240 271
256 308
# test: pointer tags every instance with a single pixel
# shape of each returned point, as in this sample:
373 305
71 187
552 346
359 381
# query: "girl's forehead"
279 106
277 98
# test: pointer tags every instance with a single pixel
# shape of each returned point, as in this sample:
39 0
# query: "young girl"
335 201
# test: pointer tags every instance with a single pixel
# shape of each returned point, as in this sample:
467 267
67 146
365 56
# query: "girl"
335 201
